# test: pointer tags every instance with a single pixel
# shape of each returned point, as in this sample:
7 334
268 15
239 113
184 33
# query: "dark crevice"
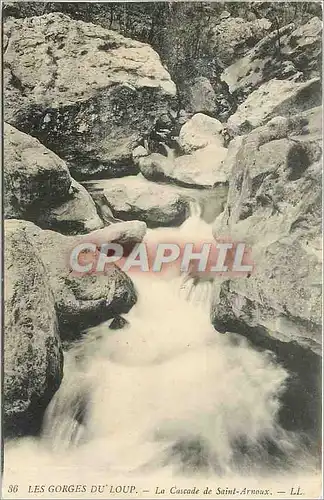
301 400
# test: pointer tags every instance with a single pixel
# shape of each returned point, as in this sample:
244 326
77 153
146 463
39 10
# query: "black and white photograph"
162 250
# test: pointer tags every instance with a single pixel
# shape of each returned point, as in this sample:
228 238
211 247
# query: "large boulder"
289 53
82 300
135 197
33 359
119 89
156 167
38 187
201 131
203 168
125 233
274 206
76 215
208 202
273 98
34 176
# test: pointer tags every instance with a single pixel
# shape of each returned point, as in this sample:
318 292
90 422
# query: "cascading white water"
167 392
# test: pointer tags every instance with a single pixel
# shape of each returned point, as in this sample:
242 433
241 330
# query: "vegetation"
181 32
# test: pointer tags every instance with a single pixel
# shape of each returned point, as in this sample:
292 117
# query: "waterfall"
170 152
165 393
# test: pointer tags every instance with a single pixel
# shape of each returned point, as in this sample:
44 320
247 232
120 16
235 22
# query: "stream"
164 394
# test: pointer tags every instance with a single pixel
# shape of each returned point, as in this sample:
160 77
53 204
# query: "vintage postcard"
162 212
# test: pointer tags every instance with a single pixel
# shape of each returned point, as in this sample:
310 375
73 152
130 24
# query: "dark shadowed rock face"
87 93
301 399
81 301
76 215
33 360
118 323
38 187
274 205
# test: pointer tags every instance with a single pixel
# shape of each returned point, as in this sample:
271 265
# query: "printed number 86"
13 488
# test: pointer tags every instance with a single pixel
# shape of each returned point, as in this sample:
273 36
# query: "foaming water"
165 393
